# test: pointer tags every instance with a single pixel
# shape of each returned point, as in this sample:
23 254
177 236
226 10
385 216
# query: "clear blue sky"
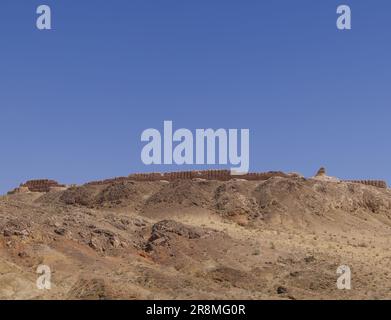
75 100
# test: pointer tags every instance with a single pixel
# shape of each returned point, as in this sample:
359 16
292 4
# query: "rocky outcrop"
321 175
321 172
163 231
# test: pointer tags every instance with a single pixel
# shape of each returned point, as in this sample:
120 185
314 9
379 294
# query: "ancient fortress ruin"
225 175
321 175
220 175
43 185
374 183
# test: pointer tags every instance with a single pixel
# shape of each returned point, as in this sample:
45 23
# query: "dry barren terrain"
282 238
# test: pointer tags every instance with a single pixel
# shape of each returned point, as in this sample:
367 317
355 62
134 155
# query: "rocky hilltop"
197 236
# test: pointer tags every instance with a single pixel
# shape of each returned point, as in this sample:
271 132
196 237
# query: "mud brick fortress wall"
41 185
374 183
46 185
220 175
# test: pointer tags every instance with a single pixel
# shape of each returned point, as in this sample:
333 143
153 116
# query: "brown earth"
282 238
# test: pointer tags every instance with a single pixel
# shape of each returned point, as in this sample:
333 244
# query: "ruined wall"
46 185
43 185
108 181
374 183
220 175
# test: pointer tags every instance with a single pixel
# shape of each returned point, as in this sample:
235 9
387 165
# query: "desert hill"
279 237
